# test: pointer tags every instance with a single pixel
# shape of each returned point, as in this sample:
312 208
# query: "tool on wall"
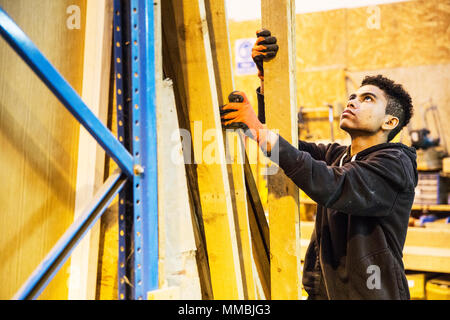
303 119
431 148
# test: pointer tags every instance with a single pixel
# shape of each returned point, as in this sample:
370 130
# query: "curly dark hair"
399 103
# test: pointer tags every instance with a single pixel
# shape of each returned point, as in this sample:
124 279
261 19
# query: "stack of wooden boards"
238 255
215 241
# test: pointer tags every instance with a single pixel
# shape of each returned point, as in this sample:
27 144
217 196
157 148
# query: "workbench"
426 249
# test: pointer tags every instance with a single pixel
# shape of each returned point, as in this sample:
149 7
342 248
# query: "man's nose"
351 104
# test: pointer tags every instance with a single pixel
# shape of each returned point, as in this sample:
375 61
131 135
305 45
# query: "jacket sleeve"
317 151
364 188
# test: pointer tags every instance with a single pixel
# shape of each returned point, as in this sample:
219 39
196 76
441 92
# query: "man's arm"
364 188
317 151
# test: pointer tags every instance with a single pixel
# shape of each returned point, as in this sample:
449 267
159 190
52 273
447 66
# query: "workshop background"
407 41
336 46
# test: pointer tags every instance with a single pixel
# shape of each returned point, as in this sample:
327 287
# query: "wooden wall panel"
316 90
327 51
91 156
194 80
410 33
38 143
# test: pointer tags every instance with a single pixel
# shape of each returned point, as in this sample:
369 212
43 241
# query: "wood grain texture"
281 114
91 157
410 33
198 90
248 84
39 143
234 143
172 67
177 247
108 258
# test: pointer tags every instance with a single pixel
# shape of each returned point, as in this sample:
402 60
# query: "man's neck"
362 142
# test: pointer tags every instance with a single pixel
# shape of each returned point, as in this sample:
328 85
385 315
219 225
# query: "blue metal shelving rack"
134 151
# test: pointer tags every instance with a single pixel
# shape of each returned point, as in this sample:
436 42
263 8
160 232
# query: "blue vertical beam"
27 50
144 148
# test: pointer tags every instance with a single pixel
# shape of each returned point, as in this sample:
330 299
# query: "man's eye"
368 98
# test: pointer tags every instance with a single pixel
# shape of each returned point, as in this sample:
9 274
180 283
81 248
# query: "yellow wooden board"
107 279
39 143
173 69
91 156
220 46
199 92
249 84
281 114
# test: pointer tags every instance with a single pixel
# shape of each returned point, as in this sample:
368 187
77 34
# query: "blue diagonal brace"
64 247
24 47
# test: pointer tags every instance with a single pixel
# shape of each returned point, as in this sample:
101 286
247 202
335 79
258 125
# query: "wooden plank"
38 143
107 278
427 249
281 114
261 257
428 237
91 158
257 206
220 47
213 185
177 247
173 69
429 259
431 207
259 230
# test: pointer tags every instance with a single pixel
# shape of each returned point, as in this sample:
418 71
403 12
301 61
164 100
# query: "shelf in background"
426 249
415 207
431 207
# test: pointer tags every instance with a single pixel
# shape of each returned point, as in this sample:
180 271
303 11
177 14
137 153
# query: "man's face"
365 111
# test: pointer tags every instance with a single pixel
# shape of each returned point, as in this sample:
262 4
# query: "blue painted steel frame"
19 41
121 25
144 147
61 251
144 158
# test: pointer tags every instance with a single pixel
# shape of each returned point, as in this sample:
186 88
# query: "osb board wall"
410 33
38 143
332 45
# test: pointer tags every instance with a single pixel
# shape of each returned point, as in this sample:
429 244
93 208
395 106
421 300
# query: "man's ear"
390 122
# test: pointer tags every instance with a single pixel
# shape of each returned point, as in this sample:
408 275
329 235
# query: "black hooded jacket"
363 208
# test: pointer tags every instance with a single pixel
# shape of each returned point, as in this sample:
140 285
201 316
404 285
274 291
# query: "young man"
364 192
